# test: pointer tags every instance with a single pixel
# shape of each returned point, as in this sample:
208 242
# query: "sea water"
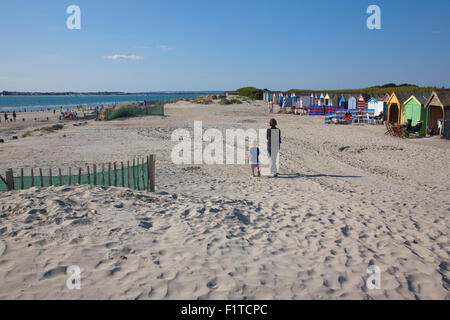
37 103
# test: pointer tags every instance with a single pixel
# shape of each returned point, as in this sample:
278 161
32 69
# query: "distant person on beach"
14 116
273 145
270 106
253 159
348 116
6 117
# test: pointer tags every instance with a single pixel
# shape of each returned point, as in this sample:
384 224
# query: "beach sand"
348 197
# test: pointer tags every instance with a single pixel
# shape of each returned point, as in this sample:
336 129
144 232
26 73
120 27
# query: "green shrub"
202 100
251 92
225 102
27 134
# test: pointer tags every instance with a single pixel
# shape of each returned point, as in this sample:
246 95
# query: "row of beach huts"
430 108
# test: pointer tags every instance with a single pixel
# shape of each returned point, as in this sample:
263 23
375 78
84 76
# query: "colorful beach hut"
361 104
326 100
329 99
352 102
342 103
438 111
321 100
415 110
302 99
396 107
377 103
372 104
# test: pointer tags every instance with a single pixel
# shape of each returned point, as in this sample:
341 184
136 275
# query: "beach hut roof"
422 97
365 96
443 95
350 95
403 96
302 93
380 97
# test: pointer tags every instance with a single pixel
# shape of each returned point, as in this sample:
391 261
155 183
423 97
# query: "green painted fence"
135 176
120 112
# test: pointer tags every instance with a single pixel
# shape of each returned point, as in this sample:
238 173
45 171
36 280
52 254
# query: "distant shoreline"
43 94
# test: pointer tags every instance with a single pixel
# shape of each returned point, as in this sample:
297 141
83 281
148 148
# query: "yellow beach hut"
396 107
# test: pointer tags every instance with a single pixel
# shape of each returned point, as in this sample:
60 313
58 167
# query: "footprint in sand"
2 248
54 272
212 285
3 230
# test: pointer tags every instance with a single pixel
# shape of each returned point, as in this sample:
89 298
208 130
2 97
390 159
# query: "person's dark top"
269 135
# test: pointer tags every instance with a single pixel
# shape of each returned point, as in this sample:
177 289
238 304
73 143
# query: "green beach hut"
415 110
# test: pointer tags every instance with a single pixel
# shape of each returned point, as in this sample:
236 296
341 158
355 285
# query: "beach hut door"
447 123
393 116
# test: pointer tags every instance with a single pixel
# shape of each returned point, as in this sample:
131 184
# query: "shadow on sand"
310 176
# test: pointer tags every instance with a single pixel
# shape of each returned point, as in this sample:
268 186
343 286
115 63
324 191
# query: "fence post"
60 177
128 165
148 174
143 174
70 176
152 173
123 176
42 177
115 175
134 174
79 176
137 176
88 175
103 174
32 177
10 180
21 179
50 176
95 175
109 174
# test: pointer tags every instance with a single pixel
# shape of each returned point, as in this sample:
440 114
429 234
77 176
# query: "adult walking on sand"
273 146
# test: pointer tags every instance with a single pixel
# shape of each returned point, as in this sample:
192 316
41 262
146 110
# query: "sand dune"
348 197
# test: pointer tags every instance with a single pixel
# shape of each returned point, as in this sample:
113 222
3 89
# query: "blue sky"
222 45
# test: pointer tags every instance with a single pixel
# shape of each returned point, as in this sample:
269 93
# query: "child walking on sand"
253 159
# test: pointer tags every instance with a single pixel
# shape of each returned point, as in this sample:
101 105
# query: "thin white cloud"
164 48
123 57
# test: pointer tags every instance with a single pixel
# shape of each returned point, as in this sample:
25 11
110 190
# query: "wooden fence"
138 174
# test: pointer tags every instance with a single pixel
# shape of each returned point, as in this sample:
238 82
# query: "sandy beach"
347 197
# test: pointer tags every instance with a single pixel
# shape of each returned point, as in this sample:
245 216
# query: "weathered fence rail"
140 176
